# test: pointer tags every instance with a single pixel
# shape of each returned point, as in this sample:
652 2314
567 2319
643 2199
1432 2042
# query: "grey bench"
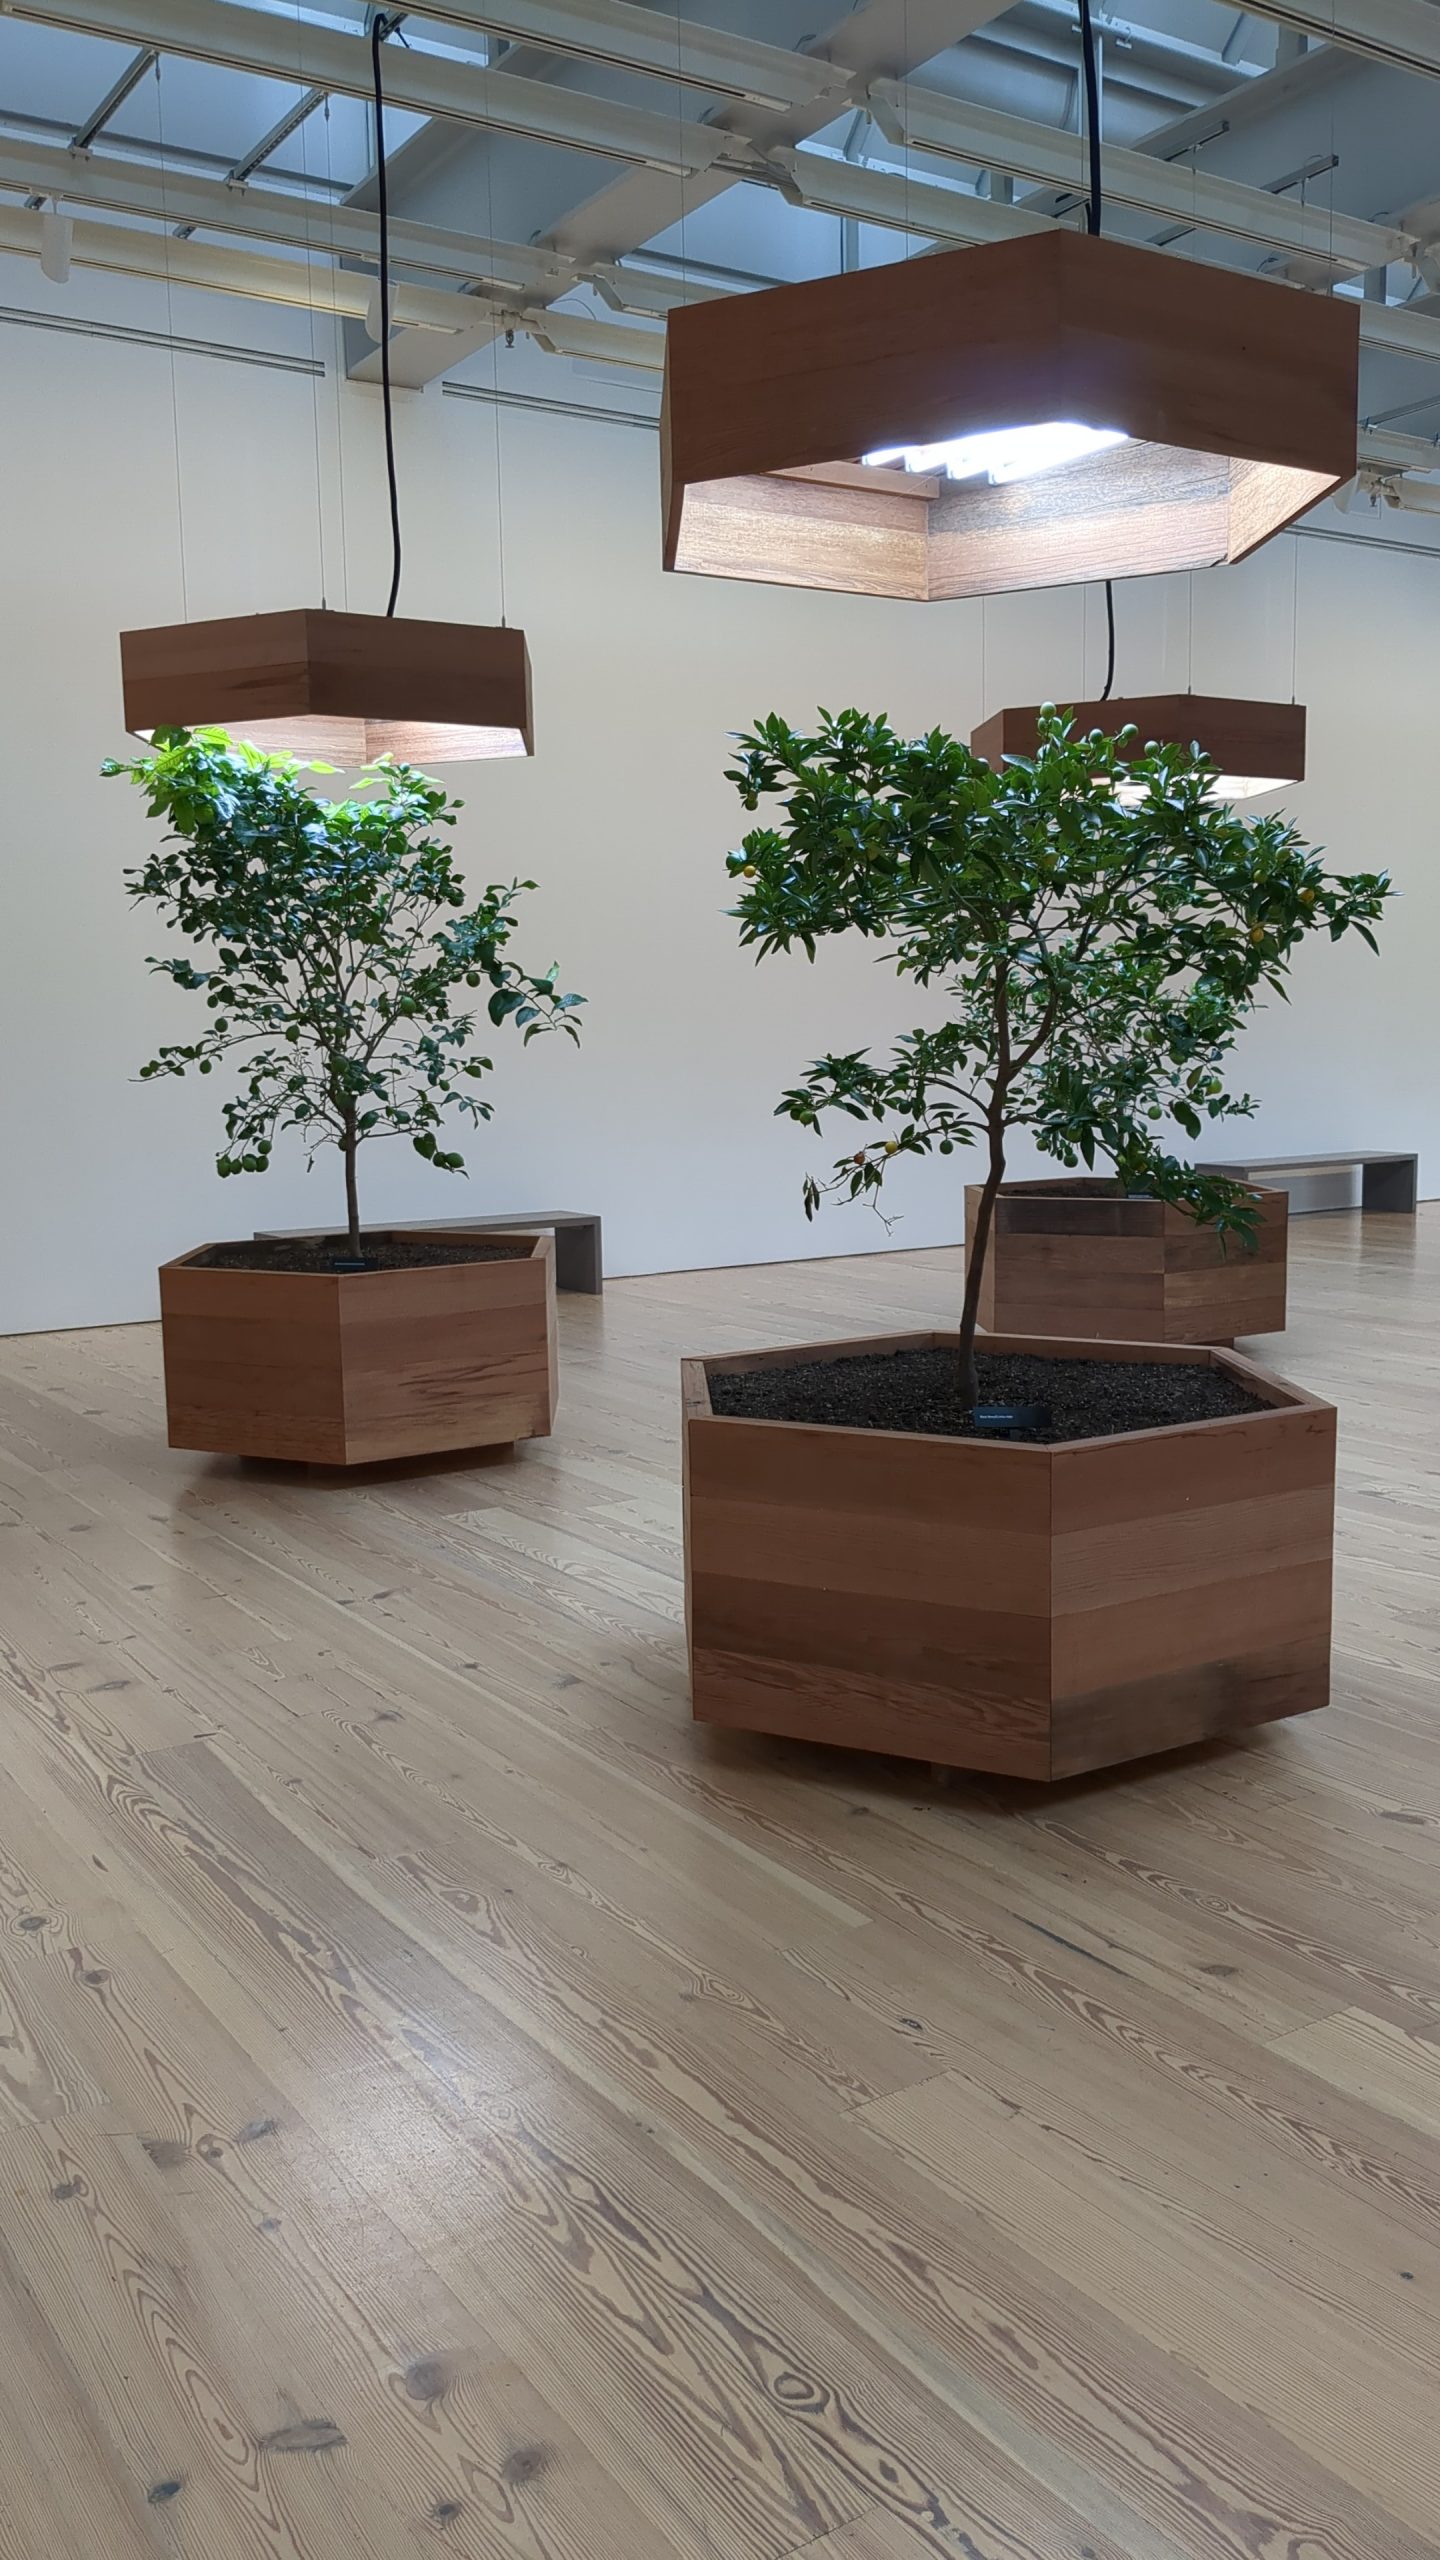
1387 1181
578 1259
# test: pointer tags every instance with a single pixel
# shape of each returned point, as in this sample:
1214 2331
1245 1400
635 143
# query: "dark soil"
321 1253
920 1391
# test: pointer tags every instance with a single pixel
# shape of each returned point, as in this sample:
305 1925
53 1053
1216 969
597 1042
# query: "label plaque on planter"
1007 1421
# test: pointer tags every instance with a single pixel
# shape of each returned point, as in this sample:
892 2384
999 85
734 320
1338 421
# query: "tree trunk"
350 1145
979 1248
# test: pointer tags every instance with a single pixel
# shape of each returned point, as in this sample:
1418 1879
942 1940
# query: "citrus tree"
338 952
1097 922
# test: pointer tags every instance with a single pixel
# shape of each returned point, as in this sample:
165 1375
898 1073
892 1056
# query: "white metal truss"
429 84
274 214
986 138
923 119
653 40
827 184
136 70
510 283
1382 451
301 283
1404 33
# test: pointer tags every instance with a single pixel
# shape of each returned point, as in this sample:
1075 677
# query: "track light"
375 313
57 233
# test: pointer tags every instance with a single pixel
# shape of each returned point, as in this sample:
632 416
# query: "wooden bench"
1387 1181
578 1258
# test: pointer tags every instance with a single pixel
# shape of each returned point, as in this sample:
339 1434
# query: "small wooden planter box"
1088 1262
342 1368
1038 1611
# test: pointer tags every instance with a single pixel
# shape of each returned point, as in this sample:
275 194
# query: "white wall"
665 1119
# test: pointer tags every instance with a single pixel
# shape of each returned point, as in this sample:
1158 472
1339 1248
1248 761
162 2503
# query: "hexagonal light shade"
1232 401
343 687
1258 746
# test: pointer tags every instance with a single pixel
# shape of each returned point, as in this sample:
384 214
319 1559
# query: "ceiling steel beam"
459 323
1403 33
115 96
466 321
301 284
429 84
1382 451
270 213
896 202
651 40
983 137
878 39
279 132
1401 332
1247 103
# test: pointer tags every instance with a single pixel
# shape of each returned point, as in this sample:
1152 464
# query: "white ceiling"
1194 83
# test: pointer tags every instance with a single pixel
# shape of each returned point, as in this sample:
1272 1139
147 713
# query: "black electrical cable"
381 27
1109 641
1092 225
1092 112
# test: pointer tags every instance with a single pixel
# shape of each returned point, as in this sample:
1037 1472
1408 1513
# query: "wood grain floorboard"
449 2102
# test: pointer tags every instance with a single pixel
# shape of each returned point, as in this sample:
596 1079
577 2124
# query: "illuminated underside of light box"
1228 405
1258 746
342 687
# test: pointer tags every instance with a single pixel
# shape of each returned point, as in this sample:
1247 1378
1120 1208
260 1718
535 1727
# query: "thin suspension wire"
170 330
337 370
305 140
380 29
680 151
1093 214
495 350
905 126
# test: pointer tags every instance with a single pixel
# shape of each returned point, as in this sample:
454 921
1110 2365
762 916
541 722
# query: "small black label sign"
1008 1421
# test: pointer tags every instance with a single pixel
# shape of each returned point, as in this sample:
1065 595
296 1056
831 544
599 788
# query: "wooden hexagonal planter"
1033 1610
1083 1259
342 1368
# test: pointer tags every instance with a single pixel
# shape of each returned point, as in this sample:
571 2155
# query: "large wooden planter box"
339 1368
984 1605
1070 1259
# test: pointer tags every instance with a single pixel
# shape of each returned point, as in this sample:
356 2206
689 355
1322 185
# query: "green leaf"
334 946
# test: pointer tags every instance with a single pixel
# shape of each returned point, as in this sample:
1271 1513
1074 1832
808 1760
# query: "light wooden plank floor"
448 2103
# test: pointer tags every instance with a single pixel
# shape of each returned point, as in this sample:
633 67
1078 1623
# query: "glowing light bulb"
1004 453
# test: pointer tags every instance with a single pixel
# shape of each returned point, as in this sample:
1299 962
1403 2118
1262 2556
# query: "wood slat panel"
1063 1262
343 1369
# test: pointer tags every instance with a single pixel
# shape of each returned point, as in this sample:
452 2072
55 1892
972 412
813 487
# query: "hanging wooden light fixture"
1258 746
342 688
1188 412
